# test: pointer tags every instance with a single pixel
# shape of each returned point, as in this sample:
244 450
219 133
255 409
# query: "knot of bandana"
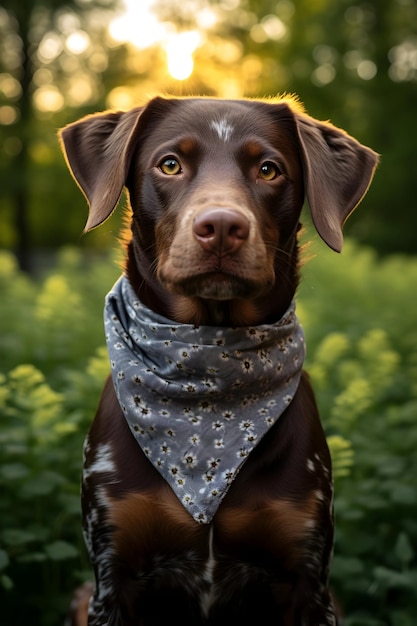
199 399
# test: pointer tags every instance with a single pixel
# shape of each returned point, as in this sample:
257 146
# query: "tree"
34 34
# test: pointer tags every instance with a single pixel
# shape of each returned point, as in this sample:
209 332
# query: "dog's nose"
220 229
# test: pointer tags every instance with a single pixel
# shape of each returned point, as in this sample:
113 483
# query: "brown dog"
223 512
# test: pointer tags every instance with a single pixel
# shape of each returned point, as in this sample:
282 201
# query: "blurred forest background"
353 62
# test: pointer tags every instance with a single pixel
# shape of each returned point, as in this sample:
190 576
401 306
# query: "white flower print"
208 477
195 419
264 411
189 460
252 333
229 475
187 499
247 365
264 358
139 429
207 382
165 449
213 463
205 405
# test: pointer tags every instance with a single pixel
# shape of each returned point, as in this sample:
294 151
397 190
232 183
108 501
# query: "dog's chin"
216 286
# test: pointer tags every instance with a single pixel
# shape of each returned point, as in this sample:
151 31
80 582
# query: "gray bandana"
199 399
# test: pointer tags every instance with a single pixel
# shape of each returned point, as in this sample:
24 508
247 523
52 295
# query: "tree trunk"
21 191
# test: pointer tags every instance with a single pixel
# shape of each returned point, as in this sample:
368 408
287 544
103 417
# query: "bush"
361 330
53 368
360 321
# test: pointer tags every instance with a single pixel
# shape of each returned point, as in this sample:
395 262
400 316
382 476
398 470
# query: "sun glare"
140 26
179 50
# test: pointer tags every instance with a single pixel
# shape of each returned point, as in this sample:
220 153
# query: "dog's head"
216 189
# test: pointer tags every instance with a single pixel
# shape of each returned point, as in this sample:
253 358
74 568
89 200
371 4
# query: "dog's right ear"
98 150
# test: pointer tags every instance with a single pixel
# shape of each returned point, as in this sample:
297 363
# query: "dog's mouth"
217 286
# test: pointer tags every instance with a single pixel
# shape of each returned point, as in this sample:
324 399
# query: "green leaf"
403 549
42 485
404 494
389 578
6 582
4 559
32 557
60 551
15 537
347 566
14 471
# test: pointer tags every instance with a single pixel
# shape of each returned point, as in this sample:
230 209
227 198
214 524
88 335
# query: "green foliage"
53 368
54 322
40 540
360 319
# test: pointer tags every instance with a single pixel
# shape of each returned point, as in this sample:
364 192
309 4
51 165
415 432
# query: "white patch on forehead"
223 129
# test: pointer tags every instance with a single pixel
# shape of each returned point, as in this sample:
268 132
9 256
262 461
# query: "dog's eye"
170 166
268 171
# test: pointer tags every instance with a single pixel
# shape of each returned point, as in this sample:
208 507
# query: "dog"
207 484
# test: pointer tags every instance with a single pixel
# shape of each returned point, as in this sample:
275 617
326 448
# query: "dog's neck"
238 312
198 399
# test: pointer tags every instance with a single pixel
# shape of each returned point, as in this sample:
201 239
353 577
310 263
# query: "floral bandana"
198 399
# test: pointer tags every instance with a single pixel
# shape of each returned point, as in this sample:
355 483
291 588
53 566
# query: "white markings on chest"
102 464
222 128
208 596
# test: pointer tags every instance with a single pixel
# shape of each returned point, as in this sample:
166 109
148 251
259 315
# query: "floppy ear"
337 173
98 149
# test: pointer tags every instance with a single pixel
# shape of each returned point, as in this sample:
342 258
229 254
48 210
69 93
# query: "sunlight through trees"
353 61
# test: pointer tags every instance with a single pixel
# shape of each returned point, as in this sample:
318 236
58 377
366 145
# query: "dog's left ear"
337 171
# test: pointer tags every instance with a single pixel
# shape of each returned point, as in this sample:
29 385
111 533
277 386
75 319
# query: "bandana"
198 399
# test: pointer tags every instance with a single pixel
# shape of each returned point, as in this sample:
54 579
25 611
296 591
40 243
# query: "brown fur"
215 243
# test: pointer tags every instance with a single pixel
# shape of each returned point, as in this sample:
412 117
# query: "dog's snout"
219 229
